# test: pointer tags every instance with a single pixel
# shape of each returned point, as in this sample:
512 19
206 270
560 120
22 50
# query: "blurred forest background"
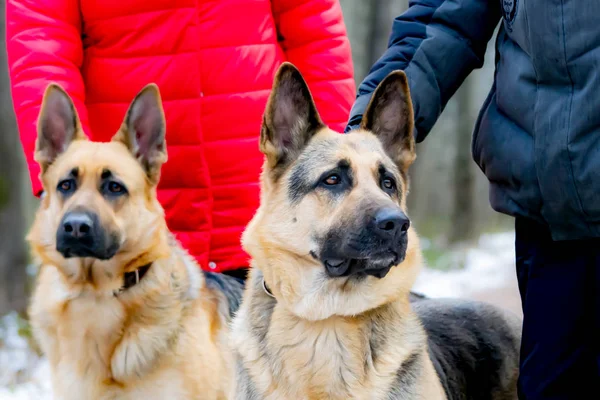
449 195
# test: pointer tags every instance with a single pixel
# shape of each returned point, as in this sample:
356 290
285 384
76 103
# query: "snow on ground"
23 374
488 275
487 266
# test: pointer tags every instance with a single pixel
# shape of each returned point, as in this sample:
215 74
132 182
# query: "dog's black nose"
80 234
390 222
78 225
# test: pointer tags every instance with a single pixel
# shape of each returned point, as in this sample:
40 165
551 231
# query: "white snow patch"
24 375
489 265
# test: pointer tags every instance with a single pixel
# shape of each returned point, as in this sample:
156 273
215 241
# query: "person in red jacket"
214 62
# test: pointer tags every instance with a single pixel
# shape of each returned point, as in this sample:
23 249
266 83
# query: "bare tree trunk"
369 24
462 225
13 251
355 17
383 13
379 23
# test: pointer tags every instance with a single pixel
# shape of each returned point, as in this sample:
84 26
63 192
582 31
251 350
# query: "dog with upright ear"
143 131
58 126
327 311
389 116
290 120
120 309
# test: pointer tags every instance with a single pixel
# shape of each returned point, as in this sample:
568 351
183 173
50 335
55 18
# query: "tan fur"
317 344
274 239
163 338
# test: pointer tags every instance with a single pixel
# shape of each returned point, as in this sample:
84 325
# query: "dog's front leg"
150 332
244 388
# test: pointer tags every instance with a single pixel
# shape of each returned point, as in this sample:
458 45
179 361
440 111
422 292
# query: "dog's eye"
333 179
116 188
388 184
66 186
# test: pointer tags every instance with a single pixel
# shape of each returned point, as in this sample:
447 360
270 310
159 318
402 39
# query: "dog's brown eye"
66 186
332 179
388 183
115 187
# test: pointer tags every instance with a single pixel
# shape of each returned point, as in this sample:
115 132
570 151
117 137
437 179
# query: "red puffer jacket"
213 60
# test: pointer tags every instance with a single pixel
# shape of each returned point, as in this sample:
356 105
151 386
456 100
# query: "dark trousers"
559 286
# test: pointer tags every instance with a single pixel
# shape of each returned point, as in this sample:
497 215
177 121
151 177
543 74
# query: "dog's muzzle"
373 251
81 235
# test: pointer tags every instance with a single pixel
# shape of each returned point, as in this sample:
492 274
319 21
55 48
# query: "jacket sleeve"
437 43
313 36
43 45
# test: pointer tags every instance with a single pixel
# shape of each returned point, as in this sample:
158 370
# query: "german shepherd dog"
119 308
327 311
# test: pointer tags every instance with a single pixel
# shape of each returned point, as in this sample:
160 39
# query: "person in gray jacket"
537 139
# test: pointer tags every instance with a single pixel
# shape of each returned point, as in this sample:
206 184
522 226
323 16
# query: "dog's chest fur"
319 359
89 338
341 358
53 305
78 342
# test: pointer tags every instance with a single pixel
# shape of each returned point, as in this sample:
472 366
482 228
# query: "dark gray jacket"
537 137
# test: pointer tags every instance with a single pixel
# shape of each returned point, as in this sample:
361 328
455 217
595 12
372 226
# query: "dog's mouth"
377 265
88 252
104 249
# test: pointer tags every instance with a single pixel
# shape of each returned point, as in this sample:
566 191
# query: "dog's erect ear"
58 125
143 131
290 118
389 116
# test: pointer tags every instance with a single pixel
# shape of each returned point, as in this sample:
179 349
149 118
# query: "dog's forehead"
92 158
359 148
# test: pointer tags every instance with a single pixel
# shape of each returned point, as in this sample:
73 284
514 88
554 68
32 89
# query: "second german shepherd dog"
120 309
326 314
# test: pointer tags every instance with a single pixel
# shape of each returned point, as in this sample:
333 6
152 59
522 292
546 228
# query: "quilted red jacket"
213 60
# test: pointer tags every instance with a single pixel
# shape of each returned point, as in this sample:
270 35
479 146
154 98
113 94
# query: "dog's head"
332 235
99 214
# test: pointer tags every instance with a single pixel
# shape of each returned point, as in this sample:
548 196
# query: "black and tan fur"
326 313
109 333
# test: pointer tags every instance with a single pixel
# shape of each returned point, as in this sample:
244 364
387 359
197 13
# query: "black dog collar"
132 278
